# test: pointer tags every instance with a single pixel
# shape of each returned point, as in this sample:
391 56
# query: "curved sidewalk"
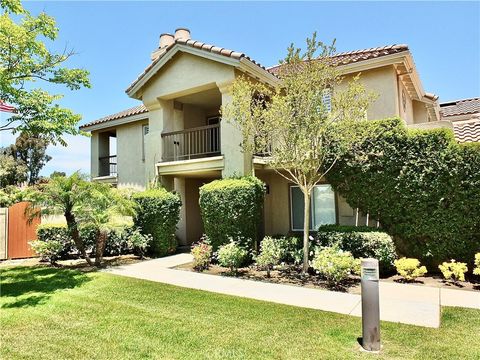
408 304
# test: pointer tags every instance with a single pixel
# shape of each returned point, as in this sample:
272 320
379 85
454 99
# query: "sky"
113 40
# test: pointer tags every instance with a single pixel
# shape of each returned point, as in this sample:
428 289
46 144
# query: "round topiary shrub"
158 213
232 208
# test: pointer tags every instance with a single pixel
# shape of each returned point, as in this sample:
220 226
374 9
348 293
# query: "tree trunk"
73 230
306 229
100 247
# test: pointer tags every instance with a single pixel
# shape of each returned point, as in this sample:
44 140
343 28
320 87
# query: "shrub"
49 250
270 254
421 184
202 254
56 232
231 255
157 215
361 242
139 242
453 270
409 268
232 208
335 265
476 271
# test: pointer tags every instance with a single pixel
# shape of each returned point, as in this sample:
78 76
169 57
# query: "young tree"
24 59
12 172
301 134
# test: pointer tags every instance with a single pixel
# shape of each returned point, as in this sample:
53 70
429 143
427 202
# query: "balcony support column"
160 118
237 162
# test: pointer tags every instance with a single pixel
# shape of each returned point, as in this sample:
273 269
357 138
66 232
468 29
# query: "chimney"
182 33
165 41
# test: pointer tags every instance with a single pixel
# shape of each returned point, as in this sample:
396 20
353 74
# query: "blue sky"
114 41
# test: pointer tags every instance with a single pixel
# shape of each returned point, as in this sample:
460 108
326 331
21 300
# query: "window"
327 99
145 130
322 207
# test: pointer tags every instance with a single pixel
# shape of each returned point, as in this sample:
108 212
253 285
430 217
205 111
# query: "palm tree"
81 202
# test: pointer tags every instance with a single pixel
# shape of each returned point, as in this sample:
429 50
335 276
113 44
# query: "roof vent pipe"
182 33
166 40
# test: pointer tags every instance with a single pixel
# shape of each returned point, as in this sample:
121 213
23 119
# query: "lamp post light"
370 305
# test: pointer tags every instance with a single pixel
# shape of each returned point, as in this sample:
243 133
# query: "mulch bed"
291 275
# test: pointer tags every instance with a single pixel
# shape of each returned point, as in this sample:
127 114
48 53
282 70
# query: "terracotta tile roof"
467 131
460 107
136 110
196 45
350 57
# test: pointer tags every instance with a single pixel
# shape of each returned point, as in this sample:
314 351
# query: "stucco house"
177 135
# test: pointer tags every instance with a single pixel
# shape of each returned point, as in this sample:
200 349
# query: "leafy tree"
25 59
31 151
12 172
57 173
300 132
82 203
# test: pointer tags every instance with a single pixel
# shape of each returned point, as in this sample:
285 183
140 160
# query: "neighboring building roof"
136 110
467 131
460 107
349 57
196 45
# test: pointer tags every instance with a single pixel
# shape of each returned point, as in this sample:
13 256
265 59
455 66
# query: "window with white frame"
322 207
327 99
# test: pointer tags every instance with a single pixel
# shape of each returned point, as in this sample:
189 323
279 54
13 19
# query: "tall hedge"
423 186
158 214
232 208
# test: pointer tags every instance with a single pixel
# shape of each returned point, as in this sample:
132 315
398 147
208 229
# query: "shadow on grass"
31 286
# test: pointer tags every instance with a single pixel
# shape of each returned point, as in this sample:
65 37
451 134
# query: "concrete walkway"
408 304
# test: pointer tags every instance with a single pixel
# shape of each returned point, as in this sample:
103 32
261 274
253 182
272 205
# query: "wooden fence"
19 232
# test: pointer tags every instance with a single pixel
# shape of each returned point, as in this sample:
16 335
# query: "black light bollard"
370 305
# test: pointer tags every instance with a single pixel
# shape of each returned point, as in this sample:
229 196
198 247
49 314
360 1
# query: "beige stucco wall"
383 81
130 163
185 74
277 206
420 113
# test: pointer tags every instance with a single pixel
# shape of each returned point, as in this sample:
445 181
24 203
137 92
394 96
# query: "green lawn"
64 314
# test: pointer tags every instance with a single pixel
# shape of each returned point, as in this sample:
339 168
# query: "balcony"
107 166
193 143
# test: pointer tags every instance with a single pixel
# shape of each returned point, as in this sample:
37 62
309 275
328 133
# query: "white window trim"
311 207
144 126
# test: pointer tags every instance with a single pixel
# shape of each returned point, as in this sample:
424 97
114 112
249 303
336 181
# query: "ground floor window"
322 207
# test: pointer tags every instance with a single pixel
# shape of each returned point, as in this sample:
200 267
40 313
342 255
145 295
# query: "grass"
50 313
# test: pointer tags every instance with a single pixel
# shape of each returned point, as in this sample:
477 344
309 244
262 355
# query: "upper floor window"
327 99
322 207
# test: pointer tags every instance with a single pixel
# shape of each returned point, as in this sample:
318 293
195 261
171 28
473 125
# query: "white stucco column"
99 147
160 119
236 162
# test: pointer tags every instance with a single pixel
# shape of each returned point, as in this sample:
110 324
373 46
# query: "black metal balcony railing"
107 166
191 143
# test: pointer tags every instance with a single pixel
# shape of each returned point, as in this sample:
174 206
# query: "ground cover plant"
49 313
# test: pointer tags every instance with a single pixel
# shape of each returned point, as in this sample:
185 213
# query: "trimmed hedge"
232 208
50 231
423 185
361 242
158 213
117 239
